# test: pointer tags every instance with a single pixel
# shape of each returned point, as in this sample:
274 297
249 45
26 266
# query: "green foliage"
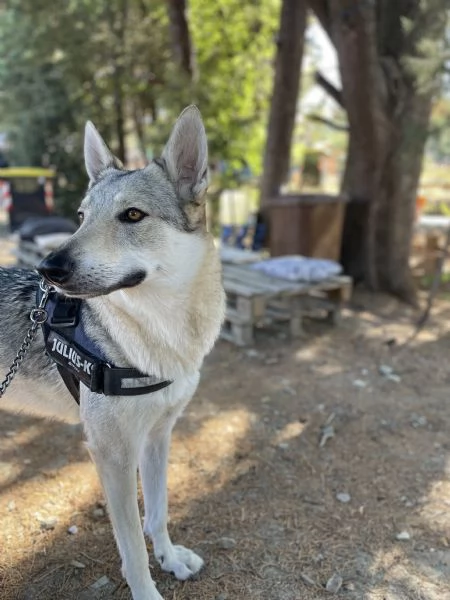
64 62
235 48
439 137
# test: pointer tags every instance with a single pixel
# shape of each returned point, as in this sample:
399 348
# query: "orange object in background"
420 204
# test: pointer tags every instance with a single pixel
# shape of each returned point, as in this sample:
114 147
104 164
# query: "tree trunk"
181 39
117 24
284 98
388 116
119 111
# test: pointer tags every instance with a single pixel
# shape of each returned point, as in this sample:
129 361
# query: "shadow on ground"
251 487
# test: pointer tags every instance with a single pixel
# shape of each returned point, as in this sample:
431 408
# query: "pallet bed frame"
254 298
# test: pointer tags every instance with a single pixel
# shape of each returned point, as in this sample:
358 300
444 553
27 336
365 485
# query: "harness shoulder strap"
62 332
72 383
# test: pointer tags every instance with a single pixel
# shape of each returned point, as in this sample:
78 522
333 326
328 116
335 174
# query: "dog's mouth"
130 281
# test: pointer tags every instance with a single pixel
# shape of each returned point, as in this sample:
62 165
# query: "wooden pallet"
254 299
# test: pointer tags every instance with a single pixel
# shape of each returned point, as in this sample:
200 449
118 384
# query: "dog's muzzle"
56 268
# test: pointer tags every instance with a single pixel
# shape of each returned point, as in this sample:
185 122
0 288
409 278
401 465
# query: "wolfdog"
147 280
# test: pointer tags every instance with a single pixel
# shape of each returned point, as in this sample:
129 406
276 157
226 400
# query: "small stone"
418 420
10 433
98 512
222 597
265 399
334 584
283 445
318 558
11 505
251 353
48 523
394 377
27 461
385 370
77 564
73 529
343 497
359 383
100 583
403 536
226 543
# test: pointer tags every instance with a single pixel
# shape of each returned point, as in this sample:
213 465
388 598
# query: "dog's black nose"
56 268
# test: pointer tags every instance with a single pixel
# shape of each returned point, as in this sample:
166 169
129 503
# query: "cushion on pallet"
299 268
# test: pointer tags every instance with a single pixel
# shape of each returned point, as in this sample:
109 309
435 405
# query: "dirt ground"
297 463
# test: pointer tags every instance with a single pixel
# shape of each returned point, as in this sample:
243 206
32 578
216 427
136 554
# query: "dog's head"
136 225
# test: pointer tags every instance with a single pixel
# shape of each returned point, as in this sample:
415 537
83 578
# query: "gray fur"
17 298
97 156
186 157
153 301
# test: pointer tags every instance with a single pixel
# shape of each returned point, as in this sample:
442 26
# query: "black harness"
79 358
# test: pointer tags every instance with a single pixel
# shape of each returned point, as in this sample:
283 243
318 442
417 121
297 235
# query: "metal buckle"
65 319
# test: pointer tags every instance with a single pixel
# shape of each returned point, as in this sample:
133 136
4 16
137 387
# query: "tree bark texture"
388 115
181 39
118 25
284 98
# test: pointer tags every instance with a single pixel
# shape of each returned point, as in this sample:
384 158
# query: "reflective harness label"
76 364
70 356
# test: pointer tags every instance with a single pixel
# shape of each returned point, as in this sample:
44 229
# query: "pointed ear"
97 155
186 156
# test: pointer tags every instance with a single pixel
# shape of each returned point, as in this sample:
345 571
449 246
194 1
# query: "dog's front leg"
117 468
180 561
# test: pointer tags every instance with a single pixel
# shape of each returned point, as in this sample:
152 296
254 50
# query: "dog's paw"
180 561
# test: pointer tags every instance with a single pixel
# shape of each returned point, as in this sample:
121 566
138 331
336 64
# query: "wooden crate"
254 299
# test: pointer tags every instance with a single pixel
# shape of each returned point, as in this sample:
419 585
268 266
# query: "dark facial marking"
131 280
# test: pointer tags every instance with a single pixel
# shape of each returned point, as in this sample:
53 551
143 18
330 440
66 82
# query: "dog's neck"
167 329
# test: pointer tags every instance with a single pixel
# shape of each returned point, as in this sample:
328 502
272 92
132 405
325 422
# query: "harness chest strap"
79 358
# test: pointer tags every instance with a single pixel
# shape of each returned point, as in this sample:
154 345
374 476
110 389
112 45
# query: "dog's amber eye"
132 215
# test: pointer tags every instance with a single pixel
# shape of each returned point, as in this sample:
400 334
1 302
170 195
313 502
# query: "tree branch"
327 122
330 89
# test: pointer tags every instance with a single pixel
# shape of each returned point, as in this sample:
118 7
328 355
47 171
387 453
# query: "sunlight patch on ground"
435 509
217 439
329 369
311 353
67 493
400 577
289 432
402 332
61 495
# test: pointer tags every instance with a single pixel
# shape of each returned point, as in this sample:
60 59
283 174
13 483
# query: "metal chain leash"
38 316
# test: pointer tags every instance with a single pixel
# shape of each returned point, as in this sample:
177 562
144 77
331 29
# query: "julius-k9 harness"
79 358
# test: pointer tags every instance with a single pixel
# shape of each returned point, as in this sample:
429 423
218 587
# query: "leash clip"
39 315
